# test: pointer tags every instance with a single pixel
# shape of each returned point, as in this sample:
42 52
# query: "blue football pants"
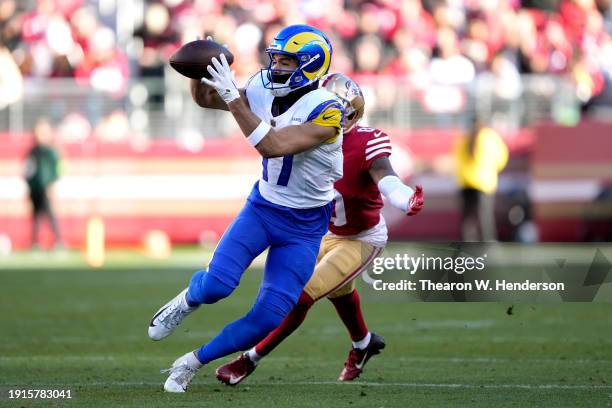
289 265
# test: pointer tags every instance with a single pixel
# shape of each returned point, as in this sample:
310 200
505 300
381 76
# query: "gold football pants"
339 262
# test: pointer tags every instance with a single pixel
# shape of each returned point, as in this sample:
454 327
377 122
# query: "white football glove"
222 79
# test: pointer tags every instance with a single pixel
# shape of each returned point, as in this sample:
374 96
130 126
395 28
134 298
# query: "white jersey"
306 179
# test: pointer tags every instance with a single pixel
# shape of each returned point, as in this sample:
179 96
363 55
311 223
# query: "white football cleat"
168 318
182 372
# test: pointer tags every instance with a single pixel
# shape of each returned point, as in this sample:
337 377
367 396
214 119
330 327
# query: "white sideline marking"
501 360
285 359
442 385
344 384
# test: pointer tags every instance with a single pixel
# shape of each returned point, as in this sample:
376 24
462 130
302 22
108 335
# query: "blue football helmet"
312 50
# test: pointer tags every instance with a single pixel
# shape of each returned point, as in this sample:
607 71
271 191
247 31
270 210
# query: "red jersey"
358 202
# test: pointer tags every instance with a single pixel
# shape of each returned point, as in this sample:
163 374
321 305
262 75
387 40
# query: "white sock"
184 305
192 360
363 343
253 356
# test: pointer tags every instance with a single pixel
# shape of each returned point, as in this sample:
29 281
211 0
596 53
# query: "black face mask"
279 78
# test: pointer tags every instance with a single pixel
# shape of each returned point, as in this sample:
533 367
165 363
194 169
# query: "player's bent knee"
264 320
275 302
205 288
347 289
305 302
269 311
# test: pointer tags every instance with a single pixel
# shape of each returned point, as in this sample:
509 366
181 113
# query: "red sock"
349 310
291 322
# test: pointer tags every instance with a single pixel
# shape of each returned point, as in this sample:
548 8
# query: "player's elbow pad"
396 192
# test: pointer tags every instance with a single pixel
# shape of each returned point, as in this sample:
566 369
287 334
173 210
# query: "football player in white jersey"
297 129
358 234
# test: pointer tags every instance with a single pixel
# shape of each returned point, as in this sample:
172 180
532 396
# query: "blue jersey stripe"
285 173
264 163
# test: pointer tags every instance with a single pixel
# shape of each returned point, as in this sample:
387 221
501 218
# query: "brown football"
192 58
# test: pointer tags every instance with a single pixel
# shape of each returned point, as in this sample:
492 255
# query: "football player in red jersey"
358 234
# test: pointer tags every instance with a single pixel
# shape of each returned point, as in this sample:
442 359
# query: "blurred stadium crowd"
451 40
98 70
445 42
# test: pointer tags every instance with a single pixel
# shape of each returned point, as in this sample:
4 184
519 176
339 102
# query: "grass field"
64 326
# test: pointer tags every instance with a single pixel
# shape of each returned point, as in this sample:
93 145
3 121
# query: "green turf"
85 330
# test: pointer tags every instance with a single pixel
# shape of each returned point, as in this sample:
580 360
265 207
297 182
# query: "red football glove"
417 201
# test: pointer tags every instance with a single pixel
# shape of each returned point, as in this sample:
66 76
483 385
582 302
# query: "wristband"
259 133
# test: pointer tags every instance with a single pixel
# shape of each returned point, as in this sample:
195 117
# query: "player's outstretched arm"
397 193
294 139
269 142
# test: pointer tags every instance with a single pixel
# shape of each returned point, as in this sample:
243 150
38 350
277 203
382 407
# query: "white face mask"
280 92
283 88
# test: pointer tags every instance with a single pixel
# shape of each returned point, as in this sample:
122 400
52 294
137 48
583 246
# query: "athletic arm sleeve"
396 192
